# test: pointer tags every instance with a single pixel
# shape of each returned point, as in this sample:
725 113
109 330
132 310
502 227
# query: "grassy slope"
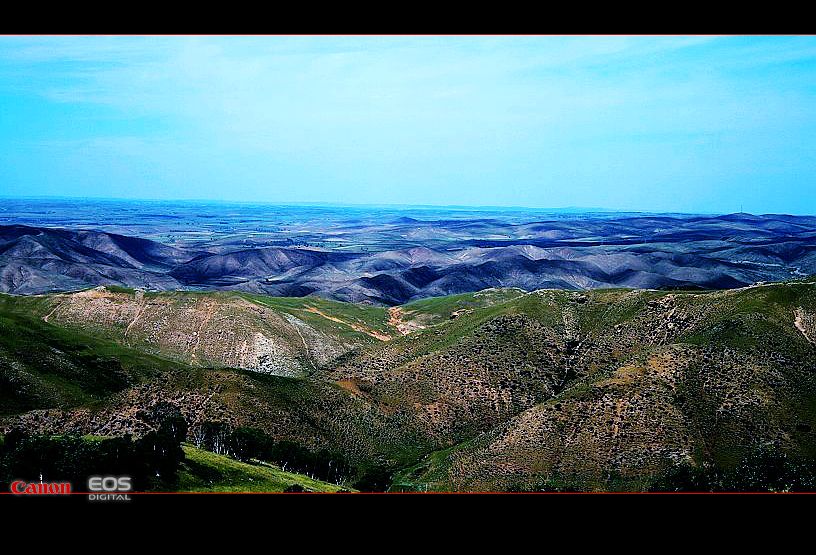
219 328
367 317
442 332
206 471
42 365
436 310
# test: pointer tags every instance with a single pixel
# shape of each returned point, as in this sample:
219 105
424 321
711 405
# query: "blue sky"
693 124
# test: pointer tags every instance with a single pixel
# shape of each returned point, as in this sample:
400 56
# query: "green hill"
609 389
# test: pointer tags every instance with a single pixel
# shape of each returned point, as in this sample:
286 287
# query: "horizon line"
576 209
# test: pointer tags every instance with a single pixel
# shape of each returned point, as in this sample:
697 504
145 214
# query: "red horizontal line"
415 493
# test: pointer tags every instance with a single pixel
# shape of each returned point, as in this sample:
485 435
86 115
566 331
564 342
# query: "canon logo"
19 487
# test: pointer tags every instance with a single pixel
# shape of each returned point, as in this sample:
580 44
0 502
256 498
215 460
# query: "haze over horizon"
408 207
392 206
652 124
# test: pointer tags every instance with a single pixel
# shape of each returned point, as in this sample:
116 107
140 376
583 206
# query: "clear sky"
694 124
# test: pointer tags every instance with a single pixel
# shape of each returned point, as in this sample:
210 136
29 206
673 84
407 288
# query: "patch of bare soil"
799 320
351 387
395 315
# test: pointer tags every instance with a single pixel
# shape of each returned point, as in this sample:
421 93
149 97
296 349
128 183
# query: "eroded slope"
218 329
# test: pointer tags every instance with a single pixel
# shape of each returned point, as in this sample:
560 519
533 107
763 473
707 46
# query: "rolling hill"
394 261
501 389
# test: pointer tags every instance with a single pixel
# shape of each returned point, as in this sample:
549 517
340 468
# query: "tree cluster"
245 444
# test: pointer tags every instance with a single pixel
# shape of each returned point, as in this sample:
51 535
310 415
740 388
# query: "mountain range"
403 259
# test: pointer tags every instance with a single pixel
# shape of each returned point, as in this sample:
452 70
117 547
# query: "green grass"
430 474
610 307
206 471
757 318
374 318
45 366
439 309
93 438
449 332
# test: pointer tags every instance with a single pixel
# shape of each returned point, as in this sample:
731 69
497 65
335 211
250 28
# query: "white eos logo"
109 483
114 488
